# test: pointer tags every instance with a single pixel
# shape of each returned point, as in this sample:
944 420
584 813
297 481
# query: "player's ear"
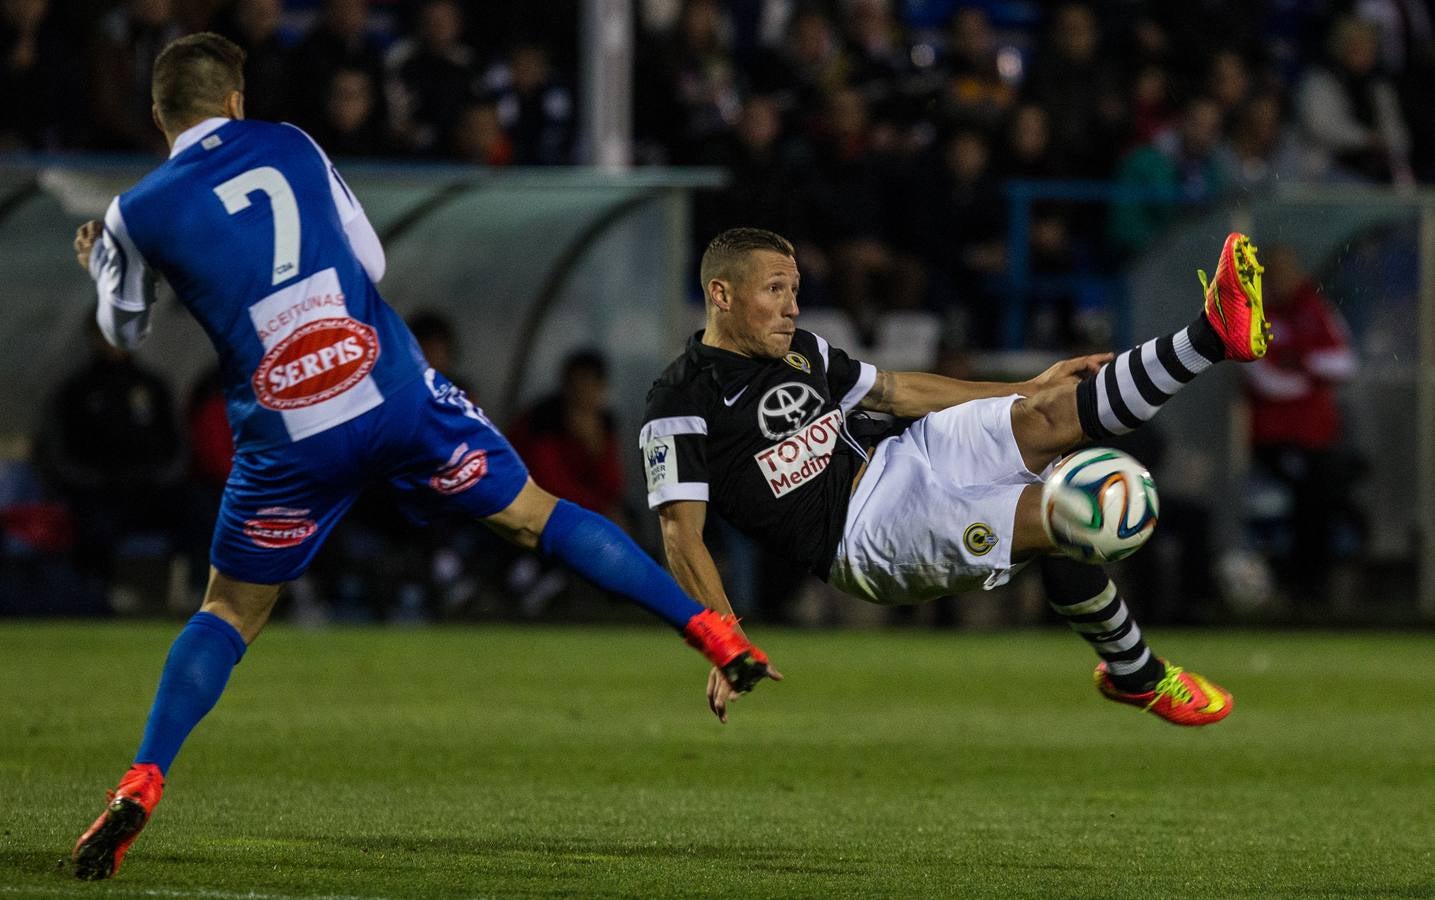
234 105
719 292
154 115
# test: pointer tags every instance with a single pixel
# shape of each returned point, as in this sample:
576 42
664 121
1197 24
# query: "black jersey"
763 441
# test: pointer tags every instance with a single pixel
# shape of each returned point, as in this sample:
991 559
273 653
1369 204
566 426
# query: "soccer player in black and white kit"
753 419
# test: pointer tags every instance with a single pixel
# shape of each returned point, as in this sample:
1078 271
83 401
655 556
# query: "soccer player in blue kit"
326 389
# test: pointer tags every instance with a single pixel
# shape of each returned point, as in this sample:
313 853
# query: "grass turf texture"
513 761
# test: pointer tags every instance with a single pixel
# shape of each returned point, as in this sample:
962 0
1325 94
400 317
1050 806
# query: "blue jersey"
247 222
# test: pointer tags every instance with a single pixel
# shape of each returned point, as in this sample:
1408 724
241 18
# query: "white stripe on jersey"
671 425
822 350
682 490
866 377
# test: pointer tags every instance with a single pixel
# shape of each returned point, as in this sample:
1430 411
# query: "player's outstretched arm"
913 394
694 570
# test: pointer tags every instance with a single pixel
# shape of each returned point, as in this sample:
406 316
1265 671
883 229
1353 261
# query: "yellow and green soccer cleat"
1180 697
1233 300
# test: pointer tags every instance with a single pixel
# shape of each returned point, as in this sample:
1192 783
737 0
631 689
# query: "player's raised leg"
194 675
601 552
1130 389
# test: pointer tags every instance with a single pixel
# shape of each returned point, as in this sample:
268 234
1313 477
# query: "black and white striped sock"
1087 600
1128 391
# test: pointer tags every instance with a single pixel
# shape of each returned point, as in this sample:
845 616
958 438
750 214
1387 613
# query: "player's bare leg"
601 552
194 676
245 606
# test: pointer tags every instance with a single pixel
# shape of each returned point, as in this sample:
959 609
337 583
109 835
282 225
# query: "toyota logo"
783 410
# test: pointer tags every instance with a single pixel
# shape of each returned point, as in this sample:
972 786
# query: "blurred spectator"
877 52
35 78
438 341
1262 151
431 77
1029 151
1407 52
339 41
269 88
1228 83
111 446
479 136
350 124
766 189
211 453
570 442
1351 112
976 91
809 67
967 234
1151 107
211 441
1405 32
1195 28
853 196
1296 423
688 94
127 40
1081 89
534 110
1179 166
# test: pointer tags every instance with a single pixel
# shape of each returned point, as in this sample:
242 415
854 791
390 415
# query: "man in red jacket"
1295 419
568 442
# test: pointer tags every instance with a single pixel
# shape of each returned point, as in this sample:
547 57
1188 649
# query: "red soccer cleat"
98 851
1180 697
1233 300
717 638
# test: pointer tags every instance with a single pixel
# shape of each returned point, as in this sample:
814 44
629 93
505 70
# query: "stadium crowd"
877 134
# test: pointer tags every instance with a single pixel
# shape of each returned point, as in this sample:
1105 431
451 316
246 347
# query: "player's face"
764 307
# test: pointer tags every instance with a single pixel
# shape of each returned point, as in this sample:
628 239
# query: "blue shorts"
428 441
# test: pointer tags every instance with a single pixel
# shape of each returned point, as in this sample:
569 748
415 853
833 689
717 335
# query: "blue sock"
195 673
598 550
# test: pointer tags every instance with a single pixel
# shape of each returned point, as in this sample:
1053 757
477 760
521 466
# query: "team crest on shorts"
798 362
979 539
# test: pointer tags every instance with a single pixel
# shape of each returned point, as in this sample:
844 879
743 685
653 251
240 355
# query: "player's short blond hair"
726 253
194 75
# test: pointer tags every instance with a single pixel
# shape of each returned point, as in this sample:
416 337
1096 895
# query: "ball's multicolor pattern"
1099 505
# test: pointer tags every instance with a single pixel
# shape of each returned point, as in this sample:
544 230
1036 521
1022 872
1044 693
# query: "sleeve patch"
660 460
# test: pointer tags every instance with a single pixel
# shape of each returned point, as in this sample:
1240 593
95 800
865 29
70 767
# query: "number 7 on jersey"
235 192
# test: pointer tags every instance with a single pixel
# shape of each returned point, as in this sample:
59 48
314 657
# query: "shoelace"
1171 685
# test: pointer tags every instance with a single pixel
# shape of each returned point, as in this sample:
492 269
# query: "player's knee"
245 606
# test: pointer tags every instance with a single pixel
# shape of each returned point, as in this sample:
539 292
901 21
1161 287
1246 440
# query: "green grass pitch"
536 762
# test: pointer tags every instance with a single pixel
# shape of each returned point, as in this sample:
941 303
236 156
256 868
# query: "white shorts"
934 513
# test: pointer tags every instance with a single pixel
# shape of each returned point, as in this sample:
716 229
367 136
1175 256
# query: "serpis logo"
465 469
657 453
320 360
277 528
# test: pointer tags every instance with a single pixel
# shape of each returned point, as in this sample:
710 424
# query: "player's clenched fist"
85 237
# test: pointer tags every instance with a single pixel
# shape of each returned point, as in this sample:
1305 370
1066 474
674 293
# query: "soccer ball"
1099 505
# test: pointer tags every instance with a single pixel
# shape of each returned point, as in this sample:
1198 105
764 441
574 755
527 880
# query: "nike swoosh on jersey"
729 401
